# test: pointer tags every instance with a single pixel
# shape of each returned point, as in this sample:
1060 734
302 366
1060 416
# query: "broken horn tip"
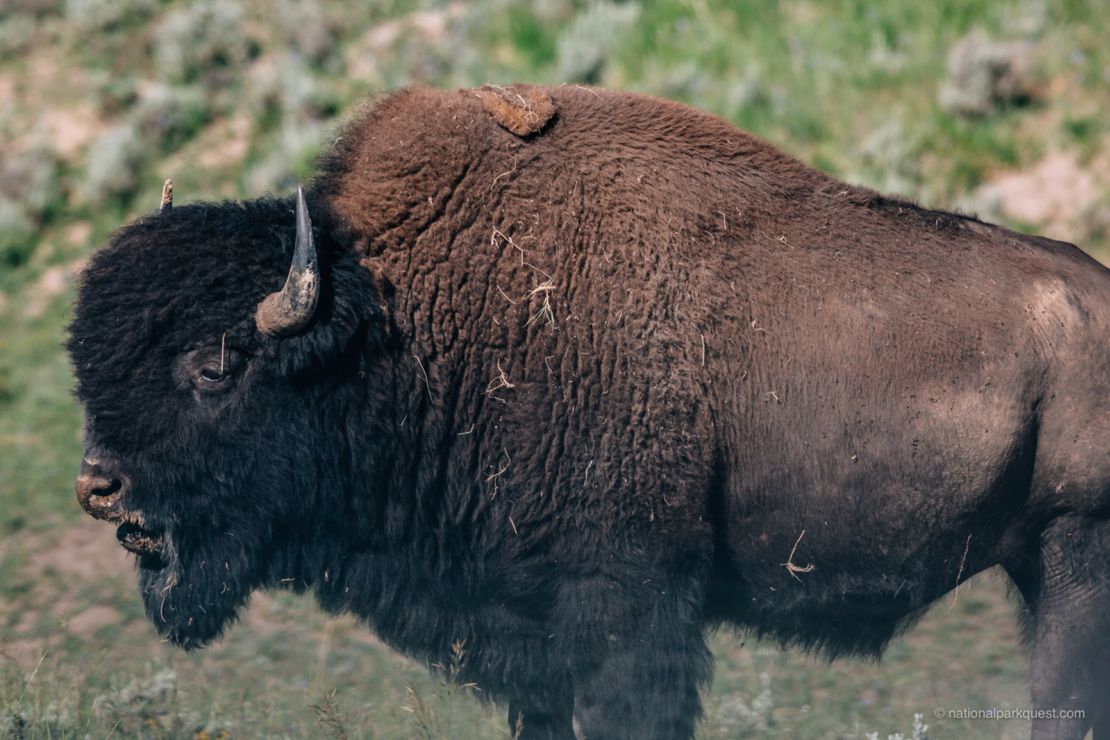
167 195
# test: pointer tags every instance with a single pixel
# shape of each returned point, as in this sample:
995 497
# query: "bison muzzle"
568 377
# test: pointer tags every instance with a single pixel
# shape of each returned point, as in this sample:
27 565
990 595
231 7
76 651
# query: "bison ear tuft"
290 309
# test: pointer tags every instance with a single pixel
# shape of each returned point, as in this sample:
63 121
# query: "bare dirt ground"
1052 194
79 581
52 567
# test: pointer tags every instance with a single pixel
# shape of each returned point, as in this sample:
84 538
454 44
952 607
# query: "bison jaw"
135 535
138 540
199 589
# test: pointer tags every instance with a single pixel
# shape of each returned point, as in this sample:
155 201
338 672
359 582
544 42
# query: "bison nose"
99 493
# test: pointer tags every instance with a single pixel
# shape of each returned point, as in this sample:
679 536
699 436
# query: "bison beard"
567 377
195 592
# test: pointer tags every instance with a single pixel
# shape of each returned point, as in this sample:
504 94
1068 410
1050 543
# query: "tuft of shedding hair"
758 397
521 109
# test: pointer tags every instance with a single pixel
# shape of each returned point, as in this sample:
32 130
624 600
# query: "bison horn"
167 196
290 309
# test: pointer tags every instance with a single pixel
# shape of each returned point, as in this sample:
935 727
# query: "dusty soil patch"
57 564
77 235
62 563
225 144
51 284
86 551
1050 195
7 86
69 129
88 620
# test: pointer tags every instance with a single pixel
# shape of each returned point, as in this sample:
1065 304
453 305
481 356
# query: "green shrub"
584 46
17 235
287 89
146 707
16 32
33 8
7 395
100 15
115 94
307 30
984 74
289 161
113 162
200 39
168 115
30 178
889 155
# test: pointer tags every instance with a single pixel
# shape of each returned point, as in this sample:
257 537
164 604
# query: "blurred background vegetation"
998 107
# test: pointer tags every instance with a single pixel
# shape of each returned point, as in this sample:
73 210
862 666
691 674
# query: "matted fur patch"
522 109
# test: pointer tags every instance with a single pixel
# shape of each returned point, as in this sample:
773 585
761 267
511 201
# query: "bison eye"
212 376
210 369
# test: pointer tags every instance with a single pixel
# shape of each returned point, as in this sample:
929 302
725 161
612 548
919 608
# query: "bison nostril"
111 487
98 493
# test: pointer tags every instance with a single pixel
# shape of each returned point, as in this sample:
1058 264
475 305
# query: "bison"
568 377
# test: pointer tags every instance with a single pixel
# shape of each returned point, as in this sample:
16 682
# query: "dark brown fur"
640 373
776 351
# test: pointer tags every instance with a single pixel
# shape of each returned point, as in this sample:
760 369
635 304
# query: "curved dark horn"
290 309
167 196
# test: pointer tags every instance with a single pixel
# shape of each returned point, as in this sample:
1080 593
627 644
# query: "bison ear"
348 319
349 322
290 309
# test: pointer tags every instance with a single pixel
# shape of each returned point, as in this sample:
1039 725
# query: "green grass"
850 86
272 675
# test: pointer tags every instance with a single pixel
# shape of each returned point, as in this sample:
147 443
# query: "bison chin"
199 589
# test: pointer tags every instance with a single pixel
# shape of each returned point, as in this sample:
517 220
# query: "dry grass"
424 374
499 382
328 717
790 565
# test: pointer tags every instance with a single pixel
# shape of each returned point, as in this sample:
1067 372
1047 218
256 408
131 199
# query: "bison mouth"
102 496
139 540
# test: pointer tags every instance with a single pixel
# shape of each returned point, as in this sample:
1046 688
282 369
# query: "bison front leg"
640 659
1067 591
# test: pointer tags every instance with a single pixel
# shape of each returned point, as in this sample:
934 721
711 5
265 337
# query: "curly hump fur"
574 396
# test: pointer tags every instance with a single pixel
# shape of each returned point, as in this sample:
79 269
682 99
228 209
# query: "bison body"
574 386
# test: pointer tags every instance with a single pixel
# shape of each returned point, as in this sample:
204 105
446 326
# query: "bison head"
212 344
